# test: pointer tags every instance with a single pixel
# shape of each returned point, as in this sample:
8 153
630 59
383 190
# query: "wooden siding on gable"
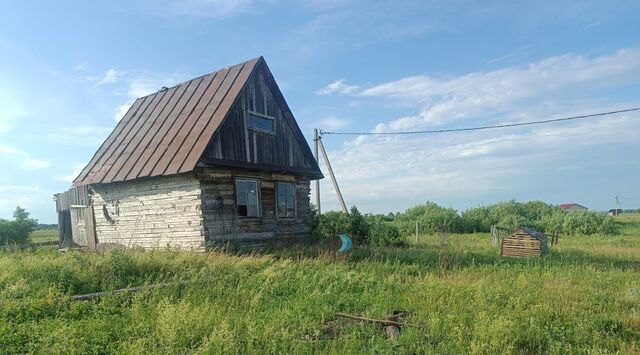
235 142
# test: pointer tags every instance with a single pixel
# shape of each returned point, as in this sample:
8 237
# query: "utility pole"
333 177
316 140
618 205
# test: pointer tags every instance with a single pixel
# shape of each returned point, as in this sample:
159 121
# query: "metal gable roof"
166 132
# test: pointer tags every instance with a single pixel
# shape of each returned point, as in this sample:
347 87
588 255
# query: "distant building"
572 207
615 212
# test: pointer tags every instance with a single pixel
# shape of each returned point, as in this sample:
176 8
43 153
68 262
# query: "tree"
18 230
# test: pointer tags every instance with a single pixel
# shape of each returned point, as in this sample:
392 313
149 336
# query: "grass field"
44 235
461 297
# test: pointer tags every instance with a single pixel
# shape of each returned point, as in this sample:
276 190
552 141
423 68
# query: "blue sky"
69 70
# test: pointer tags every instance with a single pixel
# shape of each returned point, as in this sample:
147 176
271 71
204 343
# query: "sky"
70 70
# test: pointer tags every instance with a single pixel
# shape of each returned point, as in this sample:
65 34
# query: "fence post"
416 231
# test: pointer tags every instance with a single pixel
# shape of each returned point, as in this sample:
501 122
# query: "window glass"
260 123
286 199
247 198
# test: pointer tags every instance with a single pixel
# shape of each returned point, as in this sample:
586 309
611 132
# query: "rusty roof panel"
156 150
166 132
205 130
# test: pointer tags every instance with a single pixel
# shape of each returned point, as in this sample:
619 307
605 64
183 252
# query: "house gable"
237 144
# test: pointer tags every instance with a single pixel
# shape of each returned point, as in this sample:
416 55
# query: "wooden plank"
90 228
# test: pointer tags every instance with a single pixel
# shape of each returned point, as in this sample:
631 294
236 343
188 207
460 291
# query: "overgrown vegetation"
510 214
431 218
18 230
367 229
584 297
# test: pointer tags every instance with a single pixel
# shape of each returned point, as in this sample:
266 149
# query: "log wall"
222 224
150 213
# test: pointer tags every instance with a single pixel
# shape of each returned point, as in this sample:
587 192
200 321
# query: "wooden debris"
391 323
95 295
372 320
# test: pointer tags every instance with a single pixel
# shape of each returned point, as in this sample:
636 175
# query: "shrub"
431 218
362 229
383 233
18 230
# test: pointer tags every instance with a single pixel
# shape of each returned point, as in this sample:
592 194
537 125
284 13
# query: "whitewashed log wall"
189 211
151 213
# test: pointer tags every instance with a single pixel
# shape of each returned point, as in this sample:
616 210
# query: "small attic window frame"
260 116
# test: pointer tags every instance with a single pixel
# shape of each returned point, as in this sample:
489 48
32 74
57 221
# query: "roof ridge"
258 58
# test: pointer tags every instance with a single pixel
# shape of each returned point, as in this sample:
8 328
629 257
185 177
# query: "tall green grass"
584 297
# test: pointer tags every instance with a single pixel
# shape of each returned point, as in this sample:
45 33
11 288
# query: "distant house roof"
566 206
167 132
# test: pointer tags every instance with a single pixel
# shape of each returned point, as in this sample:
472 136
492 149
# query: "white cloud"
26 196
145 83
121 111
77 169
11 108
34 164
470 164
24 159
110 77
140 84
338 87
445 100
4 127
333 123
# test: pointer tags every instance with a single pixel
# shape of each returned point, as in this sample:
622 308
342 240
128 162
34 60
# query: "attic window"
260 122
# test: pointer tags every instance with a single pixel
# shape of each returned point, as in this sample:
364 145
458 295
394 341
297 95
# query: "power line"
478 128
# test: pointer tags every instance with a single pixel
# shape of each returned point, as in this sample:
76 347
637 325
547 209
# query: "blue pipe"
346 243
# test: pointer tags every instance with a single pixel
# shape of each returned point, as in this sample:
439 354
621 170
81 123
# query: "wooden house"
524 243
216 159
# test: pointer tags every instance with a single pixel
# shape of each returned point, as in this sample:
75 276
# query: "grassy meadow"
43 235
459 295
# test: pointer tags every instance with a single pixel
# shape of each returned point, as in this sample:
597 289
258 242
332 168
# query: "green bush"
540 216
383 233
367 229
431 218
18 230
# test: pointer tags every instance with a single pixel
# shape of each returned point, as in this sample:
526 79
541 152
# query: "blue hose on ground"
346 243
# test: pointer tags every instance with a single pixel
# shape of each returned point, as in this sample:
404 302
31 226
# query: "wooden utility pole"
333 177
316 140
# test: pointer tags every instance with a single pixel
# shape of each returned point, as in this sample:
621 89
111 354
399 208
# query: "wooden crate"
524 243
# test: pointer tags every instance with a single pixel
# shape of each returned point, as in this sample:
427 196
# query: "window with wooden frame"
286 199
260 122
247 198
